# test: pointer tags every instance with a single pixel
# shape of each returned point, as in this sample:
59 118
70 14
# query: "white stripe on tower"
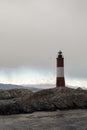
60 71
60 80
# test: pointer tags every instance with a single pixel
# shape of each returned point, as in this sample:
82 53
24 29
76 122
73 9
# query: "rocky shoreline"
18 101
57 120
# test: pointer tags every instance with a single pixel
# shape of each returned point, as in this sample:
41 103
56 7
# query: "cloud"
32 32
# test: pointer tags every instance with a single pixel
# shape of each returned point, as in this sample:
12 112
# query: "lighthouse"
60 80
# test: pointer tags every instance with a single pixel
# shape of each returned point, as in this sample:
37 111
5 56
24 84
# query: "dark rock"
24 101
57 98
14 93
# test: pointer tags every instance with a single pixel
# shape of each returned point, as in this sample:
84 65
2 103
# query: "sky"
31 34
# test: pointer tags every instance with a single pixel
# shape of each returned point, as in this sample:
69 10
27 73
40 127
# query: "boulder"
24 101
61 98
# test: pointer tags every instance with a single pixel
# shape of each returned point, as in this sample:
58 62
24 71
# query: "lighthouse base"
60 82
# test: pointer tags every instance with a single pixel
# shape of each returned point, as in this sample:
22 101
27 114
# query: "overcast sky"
31 34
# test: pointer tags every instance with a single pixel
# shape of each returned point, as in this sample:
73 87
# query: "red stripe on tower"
60 80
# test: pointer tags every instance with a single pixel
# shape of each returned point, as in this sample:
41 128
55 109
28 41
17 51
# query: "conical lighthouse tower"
60 80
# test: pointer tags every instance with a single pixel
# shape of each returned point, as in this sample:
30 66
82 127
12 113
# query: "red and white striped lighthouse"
60 80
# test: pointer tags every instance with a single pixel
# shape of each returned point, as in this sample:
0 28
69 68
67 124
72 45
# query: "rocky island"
20 101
